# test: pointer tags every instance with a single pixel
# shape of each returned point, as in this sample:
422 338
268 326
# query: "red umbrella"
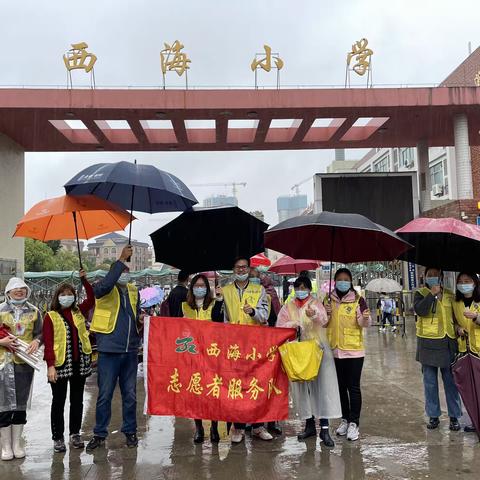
260 260
466 373
289 266
444 242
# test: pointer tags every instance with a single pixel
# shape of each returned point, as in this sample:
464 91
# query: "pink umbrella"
289 266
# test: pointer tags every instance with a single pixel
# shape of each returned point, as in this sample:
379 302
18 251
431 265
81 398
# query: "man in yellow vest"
245 303
115 319
437 347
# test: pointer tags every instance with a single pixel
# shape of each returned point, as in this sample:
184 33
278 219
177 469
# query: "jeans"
59 392
17 417
389 317
349 372
113 368
432 401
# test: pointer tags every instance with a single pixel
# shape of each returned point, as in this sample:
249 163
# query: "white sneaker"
262 433
353 432
394 329
237 436
341 431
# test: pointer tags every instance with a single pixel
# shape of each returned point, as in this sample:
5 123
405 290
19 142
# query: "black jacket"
177 296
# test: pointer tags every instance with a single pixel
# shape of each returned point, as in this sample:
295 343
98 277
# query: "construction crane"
234 186
296 187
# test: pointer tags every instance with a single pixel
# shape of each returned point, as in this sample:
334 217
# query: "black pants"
241 426
59 391
349 372
17 417
389 317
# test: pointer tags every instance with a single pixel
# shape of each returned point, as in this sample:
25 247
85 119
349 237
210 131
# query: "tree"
55 245
66 261
39 256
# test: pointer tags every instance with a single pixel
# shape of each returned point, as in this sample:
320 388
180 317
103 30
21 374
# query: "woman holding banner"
200 305
320 397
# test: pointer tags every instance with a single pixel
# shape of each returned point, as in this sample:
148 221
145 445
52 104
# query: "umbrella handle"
78 242
131 219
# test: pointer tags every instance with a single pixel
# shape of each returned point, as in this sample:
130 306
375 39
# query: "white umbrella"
386 285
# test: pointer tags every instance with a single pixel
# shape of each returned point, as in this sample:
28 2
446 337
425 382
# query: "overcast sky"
414 42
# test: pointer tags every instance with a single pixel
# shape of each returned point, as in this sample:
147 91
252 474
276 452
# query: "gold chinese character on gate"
476 79
175 385
272 388
235 389
78 58
254 355
254 389
234 352
194 384
213 350
214 387
362 56
272 352
265 63
172 59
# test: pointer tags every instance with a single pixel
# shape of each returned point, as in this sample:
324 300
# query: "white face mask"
124 279
14 301
66 301
241 277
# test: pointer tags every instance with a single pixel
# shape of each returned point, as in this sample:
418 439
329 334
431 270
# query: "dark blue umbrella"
143 188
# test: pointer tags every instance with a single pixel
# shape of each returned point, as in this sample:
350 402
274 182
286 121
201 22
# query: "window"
105 251
382 165
395 160
114 251
439 174
406 157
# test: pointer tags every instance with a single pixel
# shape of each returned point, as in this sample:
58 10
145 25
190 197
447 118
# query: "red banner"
215 371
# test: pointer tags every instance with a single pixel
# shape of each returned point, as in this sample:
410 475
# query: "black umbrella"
132 186
208 239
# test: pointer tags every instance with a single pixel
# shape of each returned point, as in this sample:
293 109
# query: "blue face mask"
432 281
254 280
199 292
302 294
343 285
465 288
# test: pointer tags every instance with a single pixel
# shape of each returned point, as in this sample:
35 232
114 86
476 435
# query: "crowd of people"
446 323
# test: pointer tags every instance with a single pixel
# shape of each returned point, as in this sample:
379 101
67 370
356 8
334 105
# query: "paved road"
394 444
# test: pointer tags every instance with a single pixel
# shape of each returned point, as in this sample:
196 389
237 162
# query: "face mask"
465 288
199 292
13 301
66 300
302 294
432 281
241 277
255 280
343 285
124 279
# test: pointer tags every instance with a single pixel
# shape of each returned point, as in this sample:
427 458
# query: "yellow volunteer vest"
26 323
472 328
234 304
343 330
439 324
197 314
60 335
106 309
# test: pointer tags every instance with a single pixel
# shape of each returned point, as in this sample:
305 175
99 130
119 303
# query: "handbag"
301 360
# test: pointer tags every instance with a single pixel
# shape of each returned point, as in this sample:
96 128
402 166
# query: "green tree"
54 245
39 256
66 261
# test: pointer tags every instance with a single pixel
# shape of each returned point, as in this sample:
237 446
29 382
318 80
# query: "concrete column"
424 180
462 157
12 200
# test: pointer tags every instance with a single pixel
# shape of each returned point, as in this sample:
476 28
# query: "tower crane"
234 185
296 187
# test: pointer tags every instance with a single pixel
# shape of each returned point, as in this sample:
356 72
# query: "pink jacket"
363 322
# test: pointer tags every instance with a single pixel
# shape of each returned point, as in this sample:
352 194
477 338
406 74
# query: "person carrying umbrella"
466 309
437 346
24 322
387 307
68 356
320 397
245 303
115 320
348 315
200 305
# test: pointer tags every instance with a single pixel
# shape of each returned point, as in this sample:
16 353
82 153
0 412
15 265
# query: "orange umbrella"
72 217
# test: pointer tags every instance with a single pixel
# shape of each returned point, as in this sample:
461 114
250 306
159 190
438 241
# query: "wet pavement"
394 443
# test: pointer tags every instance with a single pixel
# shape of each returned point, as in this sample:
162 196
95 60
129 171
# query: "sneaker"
132 440
274 427
342 428
353 432
76 441
469 429
59 446
95 442
237 436
433 423
394 329
454 425
261 432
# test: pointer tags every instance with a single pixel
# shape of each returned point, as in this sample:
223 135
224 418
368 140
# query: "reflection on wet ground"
394 444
